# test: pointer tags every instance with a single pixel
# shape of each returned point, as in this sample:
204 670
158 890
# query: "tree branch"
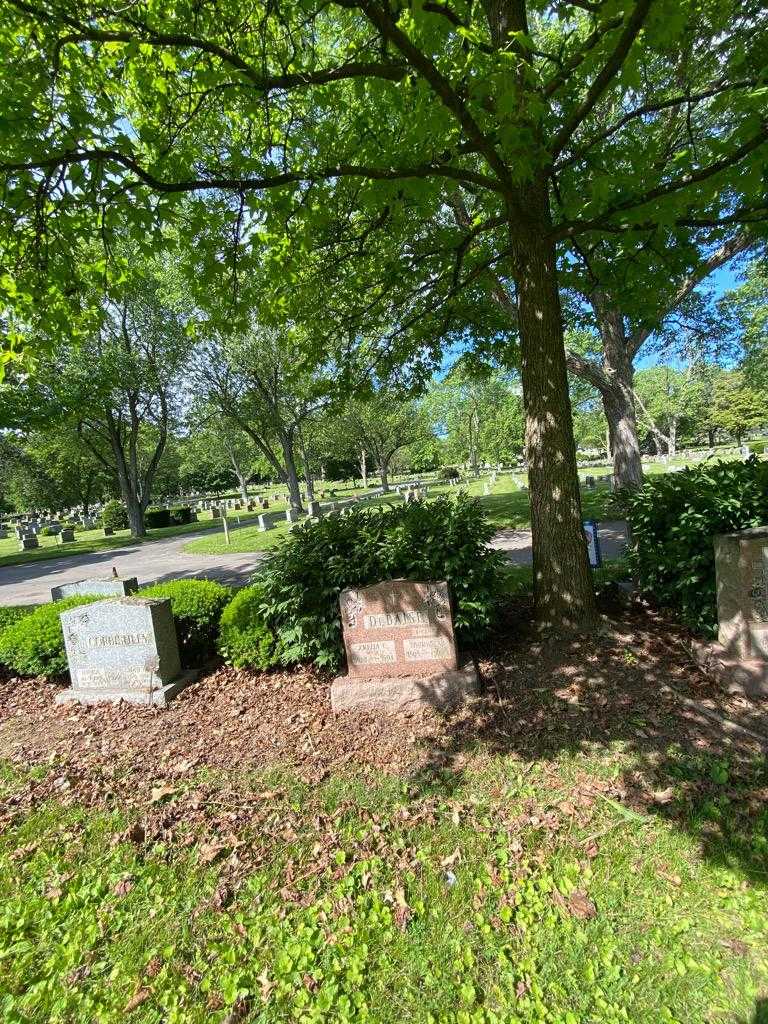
609 71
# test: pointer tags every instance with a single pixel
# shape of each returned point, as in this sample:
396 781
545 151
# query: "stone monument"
740 657
400 648
124 648
101 586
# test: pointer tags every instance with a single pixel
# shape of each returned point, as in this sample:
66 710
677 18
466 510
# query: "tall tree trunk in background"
309 478
291 473
364 469
672 438
618 395
564 592
384 472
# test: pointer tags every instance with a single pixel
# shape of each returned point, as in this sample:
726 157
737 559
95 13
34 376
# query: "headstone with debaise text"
400 648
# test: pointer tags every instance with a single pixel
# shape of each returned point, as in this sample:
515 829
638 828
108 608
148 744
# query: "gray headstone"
291 515
66 535
265 523
108 531
122 649
314 509
28 543
99 586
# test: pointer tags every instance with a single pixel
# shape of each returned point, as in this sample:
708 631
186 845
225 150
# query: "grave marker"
400 648
124 648
99 586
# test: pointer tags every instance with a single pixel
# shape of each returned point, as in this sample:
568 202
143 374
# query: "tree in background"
554 125
381 425
746 310
55 470
479 413
738 407
215 453
259 384
667 397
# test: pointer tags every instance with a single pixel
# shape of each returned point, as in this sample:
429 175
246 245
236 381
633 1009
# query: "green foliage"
245 640
197 606
758 447
155 518
49 531
13 613
34 644
114 515
439 540
674 520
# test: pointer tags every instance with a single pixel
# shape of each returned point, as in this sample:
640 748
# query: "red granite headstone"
398 628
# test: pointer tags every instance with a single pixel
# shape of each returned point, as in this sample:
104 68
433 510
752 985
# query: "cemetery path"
162 560
153 562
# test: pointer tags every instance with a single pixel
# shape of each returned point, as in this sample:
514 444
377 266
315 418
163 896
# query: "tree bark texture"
563 583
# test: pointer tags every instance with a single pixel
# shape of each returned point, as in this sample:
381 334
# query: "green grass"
454 902
91 541
507 506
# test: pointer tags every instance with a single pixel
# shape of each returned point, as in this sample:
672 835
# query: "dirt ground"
632 682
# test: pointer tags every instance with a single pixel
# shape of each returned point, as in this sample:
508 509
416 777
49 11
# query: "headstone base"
159 698
748 676
392 694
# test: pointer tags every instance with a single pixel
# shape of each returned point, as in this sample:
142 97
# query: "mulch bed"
542 696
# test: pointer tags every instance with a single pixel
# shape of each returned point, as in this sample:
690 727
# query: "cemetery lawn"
507 506
578 846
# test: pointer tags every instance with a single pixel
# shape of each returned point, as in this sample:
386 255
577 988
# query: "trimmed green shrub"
12 614
245 640
114 515
154 518
441 540
448 473
34 644
674 520
181 516
197 606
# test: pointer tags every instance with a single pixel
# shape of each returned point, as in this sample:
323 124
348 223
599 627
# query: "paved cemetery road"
162 560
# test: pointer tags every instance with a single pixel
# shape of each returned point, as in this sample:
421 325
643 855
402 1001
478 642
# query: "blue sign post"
593 543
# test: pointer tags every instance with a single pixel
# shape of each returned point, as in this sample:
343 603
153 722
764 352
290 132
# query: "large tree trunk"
242 485
563 590
384 471
672 440
364 469
135 509
291 474
618 394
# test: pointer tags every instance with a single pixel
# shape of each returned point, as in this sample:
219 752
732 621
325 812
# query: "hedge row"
291 613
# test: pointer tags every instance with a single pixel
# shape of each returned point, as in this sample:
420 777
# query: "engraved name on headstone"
398 628
123 648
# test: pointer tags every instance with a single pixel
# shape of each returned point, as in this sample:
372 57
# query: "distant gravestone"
108 531
98 586
3 533
66 535
291 515
122 649
400 648
265 522
314 510
28 543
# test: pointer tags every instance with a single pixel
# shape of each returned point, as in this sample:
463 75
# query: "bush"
197 606
34 644
48 531
674 520
114 515
154 518
12 614
448 473
441 540
245 640
181 516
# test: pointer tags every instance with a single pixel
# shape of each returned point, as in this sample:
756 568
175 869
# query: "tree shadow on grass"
633 689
